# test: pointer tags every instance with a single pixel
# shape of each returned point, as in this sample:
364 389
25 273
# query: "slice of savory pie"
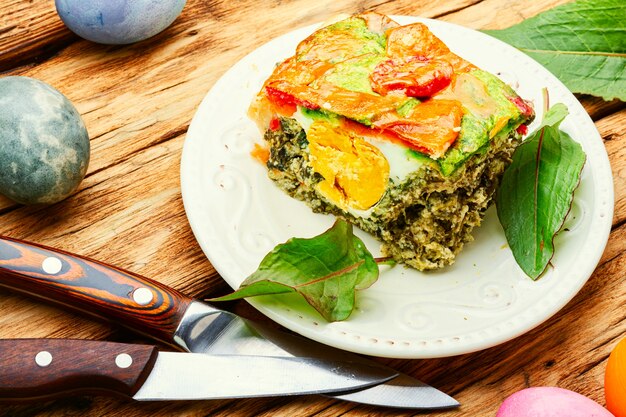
384 126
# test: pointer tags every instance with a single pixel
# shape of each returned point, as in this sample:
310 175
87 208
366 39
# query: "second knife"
32 369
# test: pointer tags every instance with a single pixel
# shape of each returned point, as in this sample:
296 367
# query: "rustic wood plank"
137 102
599 108
30 32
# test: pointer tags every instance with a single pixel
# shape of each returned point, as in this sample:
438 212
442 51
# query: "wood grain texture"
137 102
29 35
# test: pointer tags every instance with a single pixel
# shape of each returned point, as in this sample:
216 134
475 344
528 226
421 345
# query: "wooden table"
137 102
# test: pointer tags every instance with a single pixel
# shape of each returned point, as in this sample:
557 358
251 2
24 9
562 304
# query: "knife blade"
40 368
205 328
153 309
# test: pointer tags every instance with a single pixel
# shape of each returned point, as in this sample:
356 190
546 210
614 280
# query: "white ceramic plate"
238 215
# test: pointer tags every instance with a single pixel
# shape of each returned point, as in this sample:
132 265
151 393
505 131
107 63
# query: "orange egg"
615 381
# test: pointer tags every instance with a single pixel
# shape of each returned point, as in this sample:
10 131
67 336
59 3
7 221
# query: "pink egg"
550 402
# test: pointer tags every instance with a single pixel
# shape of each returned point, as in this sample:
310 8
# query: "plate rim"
395 352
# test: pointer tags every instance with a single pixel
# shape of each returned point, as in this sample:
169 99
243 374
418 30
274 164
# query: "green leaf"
326 270
583 43
537 190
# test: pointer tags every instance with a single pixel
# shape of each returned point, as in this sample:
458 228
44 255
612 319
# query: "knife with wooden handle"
153 309
46 368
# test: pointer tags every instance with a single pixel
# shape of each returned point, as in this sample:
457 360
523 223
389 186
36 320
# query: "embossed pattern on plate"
484 299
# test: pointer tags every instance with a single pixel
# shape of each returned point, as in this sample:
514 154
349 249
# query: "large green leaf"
583 43
326 270
537 190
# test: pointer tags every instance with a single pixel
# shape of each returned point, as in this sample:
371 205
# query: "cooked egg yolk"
355 172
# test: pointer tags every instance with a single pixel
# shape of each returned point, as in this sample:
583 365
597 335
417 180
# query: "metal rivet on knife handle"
90 286
43 358
142 296
52 265
123 360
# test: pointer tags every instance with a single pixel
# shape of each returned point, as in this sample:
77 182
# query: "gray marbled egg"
44 145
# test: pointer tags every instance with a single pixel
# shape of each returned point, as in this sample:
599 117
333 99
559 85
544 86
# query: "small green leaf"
326 270
583 43
537 190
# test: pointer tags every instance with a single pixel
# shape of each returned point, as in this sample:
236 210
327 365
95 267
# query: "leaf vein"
555 51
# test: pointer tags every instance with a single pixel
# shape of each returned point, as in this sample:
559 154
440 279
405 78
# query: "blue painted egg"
44 145
118 22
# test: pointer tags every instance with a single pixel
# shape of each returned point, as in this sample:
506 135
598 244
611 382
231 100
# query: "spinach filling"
422 221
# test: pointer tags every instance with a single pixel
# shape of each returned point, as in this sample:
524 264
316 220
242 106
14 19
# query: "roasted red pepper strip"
414 76
281 98
432 127
521 104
